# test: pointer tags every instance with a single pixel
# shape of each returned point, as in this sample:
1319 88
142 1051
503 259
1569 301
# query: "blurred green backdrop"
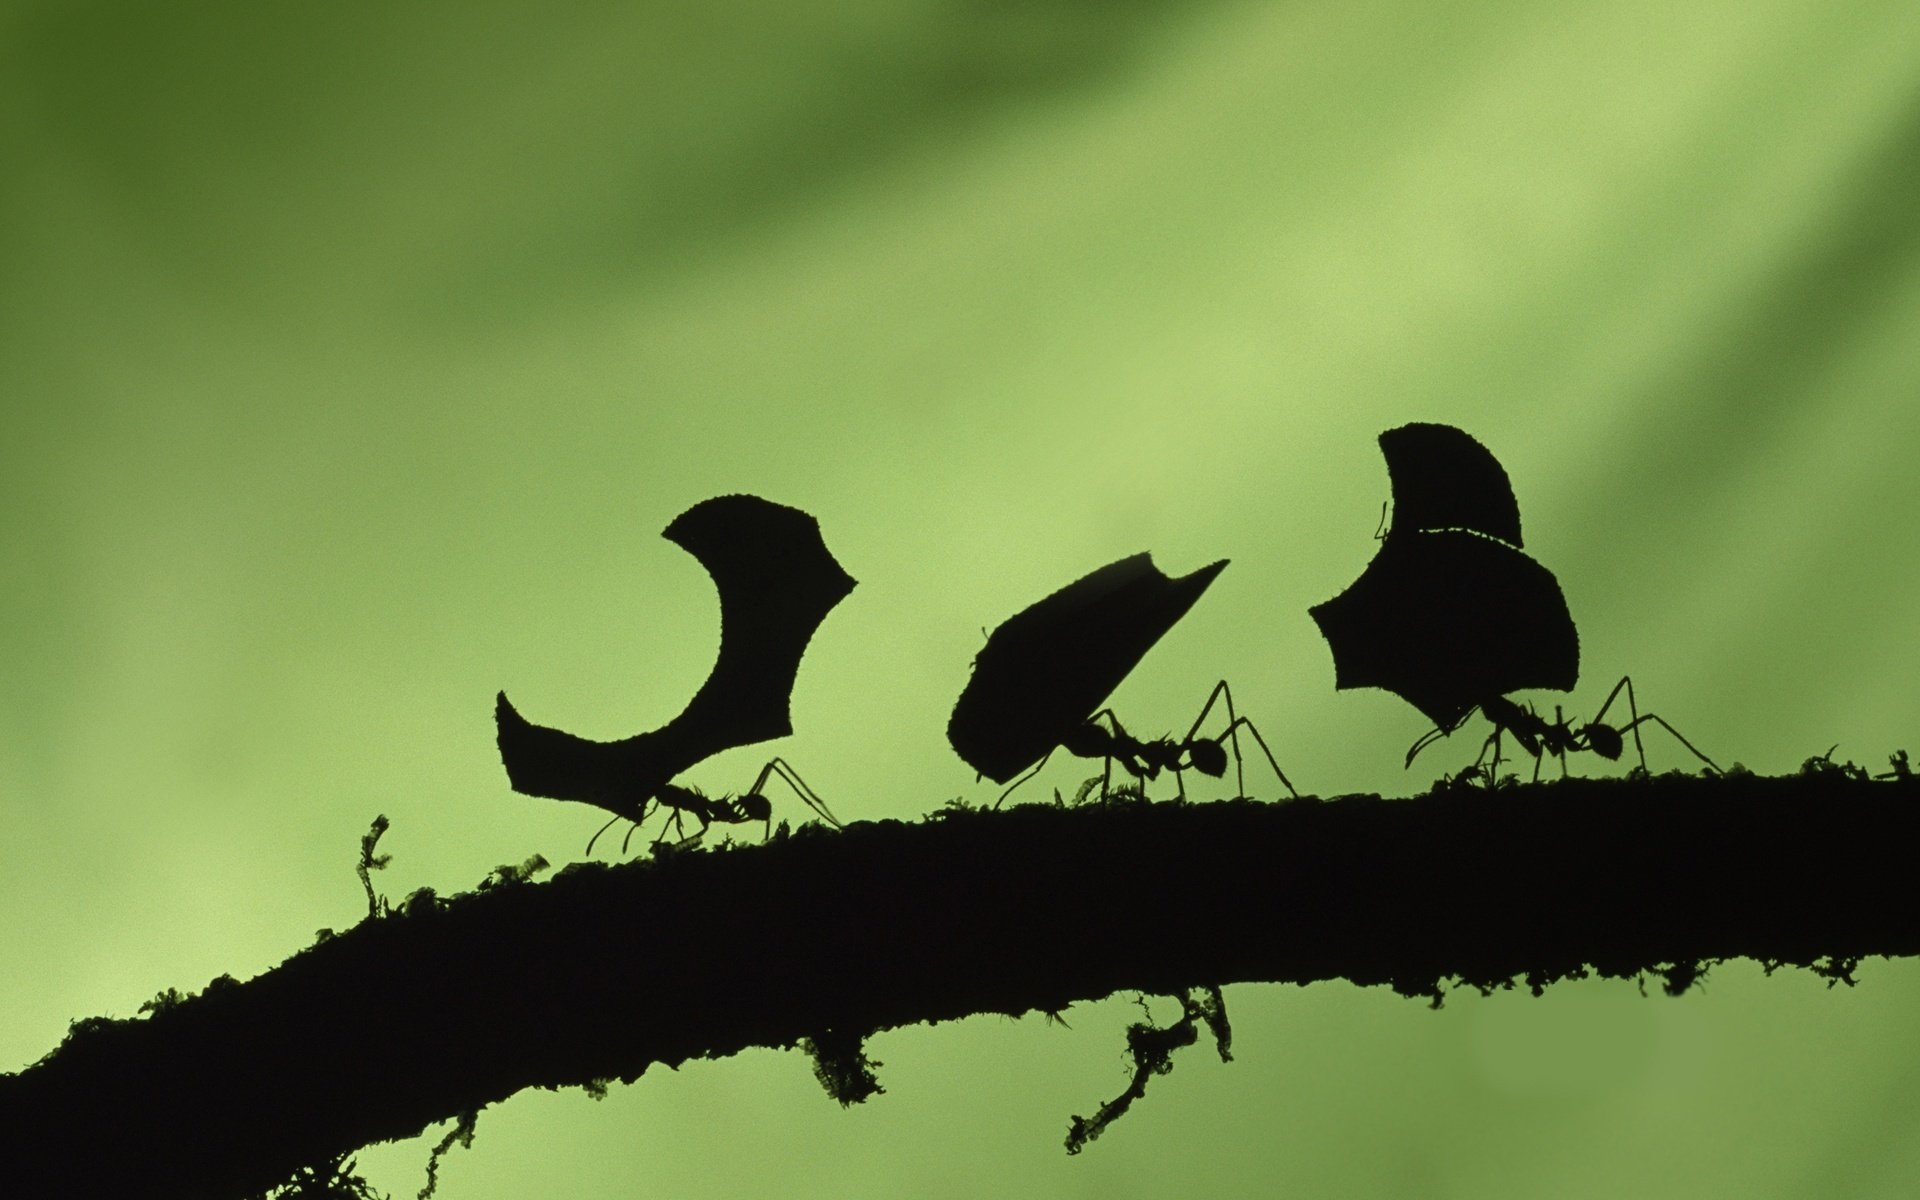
352 358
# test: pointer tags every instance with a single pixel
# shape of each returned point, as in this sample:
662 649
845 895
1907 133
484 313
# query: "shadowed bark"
446 1006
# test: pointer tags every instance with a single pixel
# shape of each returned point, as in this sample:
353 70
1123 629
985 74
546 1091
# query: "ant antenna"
1427 739
1439 731
601 830
646 808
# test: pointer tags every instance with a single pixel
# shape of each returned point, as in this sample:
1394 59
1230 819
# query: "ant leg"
1222 691
792 777
1271 761
1091 739
1484 747
1030 773
1633 726
636 829
1626 681
1494 740
679 826
645 810
1677 736
1133 754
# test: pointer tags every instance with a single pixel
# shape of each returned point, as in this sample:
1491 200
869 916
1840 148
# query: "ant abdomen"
1604 740
1208 758
751 807
1087 740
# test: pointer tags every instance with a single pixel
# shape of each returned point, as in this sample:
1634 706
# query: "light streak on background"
352 359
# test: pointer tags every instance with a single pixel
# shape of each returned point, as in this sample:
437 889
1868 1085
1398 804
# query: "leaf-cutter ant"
1145 759
1540 737
748 806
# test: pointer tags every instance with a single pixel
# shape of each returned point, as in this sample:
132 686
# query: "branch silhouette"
445 1006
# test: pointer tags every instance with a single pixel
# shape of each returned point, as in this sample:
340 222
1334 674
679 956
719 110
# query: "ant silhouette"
1540 737
1146 759
751 805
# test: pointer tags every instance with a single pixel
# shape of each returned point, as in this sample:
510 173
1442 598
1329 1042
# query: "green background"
352 357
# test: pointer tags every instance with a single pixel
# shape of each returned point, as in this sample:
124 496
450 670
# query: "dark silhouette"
750 805
1451 614
1151 1048
1444 479
1146 758
1036 683
443 1005
777 581
1447 620
1540 737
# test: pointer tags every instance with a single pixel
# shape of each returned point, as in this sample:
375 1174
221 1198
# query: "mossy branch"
445 1006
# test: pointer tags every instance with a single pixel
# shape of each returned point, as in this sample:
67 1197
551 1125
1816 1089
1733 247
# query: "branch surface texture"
446 1006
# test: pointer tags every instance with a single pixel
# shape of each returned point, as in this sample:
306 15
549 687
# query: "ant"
1902 769
1146 759
1540 737
751 805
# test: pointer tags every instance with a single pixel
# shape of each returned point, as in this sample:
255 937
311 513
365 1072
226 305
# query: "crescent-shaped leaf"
1047 668
777 582
1444 479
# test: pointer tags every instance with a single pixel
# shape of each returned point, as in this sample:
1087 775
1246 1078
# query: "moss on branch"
444 1006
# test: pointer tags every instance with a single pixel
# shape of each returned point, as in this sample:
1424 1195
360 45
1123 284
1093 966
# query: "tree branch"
447 1006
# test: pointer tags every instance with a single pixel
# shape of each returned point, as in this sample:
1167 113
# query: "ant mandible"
1540 737
751 805
1146 759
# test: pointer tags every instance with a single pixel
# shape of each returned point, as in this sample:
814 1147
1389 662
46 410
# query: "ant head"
1087 740
1501 711
1208 758
1604 740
